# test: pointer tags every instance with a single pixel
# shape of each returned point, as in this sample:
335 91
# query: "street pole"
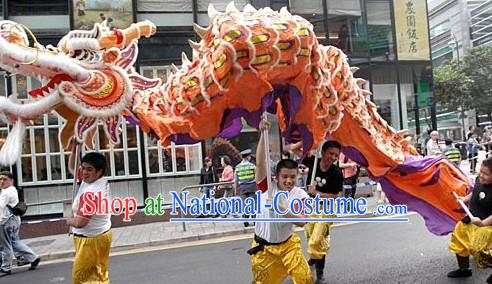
462 102
456 45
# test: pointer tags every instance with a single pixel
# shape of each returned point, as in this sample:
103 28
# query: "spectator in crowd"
452 153
473 152
245 179
208 175
10 242
433 148
227 175
350 175
487 141
471 131
302 177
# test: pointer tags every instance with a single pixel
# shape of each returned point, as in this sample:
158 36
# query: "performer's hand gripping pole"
463 205
315 165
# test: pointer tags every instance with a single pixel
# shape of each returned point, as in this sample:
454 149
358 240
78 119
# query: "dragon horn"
284 12
175 69
354 69
230 8
194 45
212 13
360 82
366 93
201 31
184 59
249 9
402 132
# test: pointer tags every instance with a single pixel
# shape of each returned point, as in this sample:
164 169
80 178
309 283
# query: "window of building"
380 30
173 159
311 10
440 29
164 6
166 13
385 92
219 5
37 7
346 24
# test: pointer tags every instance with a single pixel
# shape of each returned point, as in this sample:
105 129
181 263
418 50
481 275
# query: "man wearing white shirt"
9 228
433 148
276 250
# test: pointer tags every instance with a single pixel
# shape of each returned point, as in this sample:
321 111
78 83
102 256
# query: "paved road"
361 253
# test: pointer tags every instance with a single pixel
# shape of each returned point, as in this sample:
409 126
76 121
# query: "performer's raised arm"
261 161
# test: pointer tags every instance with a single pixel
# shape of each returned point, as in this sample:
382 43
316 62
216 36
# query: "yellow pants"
470 239
275 262
318 236
91 263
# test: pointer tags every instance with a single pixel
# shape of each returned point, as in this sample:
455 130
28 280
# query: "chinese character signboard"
412 34
119 14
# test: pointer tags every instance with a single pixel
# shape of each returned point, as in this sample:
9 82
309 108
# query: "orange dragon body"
247 62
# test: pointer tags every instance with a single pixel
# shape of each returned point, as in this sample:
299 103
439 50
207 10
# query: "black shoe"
35 264
320 279
22 262
489 280
460 273
5 272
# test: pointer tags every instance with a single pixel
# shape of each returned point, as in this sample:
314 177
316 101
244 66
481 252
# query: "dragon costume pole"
75 186
266 140
315 165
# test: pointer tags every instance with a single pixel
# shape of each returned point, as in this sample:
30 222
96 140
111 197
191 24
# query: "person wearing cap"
244 176
433 148
451 152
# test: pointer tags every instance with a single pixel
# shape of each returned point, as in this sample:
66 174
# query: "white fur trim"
12 148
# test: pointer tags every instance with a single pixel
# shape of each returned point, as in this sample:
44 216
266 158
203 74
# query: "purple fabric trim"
436 221
132 120
231 124
355 156
414 164
434 179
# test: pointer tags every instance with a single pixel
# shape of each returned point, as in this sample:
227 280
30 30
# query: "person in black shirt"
328 182
208 175
474 236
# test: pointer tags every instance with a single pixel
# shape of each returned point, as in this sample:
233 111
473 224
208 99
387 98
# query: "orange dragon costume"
247 62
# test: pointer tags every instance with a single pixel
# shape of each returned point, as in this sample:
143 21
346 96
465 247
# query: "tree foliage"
452 87
468 82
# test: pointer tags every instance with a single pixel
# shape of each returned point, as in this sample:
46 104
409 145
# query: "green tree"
477 65
452 86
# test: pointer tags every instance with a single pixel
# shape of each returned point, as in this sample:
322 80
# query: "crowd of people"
457 152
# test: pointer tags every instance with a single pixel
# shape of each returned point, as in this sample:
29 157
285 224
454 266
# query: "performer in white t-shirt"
276 250
92 232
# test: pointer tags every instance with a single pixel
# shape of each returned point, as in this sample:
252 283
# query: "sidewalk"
152 234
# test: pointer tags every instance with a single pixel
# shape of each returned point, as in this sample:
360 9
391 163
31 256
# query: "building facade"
456 26
387 39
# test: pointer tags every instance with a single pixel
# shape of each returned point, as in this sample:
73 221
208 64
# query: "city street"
361 253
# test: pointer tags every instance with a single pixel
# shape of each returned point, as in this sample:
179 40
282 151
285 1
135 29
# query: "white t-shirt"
98 224
276 232
10 197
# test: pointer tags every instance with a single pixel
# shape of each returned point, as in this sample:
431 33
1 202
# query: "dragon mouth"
50 86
